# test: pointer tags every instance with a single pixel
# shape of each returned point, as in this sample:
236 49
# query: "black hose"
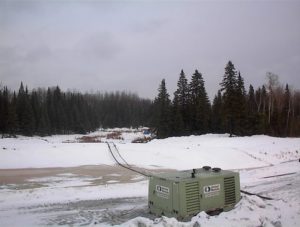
120 154
122 165
260 196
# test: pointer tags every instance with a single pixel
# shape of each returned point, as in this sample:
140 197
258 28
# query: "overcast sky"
133 45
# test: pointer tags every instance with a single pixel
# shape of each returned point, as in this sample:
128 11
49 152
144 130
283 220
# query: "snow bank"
251 211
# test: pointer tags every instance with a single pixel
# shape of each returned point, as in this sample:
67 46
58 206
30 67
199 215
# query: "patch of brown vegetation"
142 140
89 139
114 135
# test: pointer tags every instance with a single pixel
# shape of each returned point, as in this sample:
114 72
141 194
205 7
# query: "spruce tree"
181 106
199 105
59 117
162 106
229 89
217 114
178 126
25 112
241 105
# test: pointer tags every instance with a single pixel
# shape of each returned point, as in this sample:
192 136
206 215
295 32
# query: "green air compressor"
185 193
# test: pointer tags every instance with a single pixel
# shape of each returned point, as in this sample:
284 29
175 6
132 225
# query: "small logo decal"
162 191
212 190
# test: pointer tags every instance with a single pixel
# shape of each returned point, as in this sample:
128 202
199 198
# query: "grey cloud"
38 53
101 46
7 54
149 26
116 45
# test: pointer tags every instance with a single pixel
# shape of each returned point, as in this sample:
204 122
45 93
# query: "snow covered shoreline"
175 153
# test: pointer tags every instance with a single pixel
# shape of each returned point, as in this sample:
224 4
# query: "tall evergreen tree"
181 106
162 106
229 88
199 105
25 112
178 126
217 114
240 117
253 123
59 115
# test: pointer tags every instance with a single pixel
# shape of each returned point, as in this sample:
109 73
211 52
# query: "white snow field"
268 166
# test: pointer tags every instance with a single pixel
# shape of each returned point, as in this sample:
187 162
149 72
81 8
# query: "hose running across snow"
127 166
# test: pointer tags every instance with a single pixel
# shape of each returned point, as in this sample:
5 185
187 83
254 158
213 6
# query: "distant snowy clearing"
176 153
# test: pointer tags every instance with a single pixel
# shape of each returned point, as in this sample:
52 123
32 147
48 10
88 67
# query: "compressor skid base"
186 193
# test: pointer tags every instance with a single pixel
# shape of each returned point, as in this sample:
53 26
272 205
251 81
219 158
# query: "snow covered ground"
267 165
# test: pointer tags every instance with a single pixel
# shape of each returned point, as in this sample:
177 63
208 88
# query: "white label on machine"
212 190
162 191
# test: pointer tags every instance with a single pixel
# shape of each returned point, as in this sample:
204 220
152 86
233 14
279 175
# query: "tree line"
272 109
51 111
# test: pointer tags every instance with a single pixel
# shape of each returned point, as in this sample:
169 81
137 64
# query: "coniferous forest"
271 109
46 112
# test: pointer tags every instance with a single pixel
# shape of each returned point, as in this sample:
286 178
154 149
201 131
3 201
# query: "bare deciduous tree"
272 84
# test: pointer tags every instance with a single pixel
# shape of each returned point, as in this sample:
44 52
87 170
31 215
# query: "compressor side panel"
160 196
211 193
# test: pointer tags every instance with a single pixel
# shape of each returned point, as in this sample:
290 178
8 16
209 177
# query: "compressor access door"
160 196
212 195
